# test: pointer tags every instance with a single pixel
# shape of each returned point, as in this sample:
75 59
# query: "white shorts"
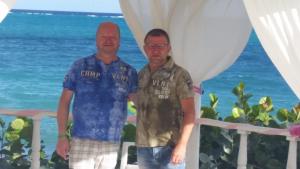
91 154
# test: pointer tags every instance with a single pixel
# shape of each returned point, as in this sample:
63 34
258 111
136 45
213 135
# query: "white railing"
36 116
245 129
242 129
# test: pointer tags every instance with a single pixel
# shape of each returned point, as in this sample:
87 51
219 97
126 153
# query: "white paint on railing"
192 156
244 126
243 130
36 143
292 157
242 157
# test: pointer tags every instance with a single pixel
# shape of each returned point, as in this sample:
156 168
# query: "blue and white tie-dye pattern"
100 102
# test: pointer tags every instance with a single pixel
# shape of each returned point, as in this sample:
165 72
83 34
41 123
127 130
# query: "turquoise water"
37 48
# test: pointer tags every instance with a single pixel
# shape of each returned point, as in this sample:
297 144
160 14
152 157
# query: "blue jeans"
156 158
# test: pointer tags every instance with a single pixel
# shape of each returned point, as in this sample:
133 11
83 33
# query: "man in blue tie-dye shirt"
101 84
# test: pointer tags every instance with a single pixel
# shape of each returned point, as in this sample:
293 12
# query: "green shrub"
219 147
16 142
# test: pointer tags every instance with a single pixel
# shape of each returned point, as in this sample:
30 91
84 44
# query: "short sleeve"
184 87
70 78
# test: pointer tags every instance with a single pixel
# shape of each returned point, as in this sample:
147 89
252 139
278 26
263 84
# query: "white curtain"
5 6
277 24
207 36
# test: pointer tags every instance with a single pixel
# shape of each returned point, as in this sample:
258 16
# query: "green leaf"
209 112
237 112
264 117
131 107
239 90
204 158
17 124
227 149
2 123
296 112
227 137
213 100
11 136
129 132
282 115
247 97
229 119
16 155
266 104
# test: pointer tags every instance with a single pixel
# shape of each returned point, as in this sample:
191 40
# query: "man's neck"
155 67
105 58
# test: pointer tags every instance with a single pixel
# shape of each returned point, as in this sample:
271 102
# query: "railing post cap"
243 132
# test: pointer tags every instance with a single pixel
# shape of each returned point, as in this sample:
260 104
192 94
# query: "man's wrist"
62 136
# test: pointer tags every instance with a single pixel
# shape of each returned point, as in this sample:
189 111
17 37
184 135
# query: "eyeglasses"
156 46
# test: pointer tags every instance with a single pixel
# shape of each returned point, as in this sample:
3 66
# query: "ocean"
38 47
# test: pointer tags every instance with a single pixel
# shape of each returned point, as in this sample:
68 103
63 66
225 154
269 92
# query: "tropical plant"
219 147
16 142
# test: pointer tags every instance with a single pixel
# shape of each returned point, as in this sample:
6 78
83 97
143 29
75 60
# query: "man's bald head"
108 39
108 25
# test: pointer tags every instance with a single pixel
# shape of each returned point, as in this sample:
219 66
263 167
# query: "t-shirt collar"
100 61
167 66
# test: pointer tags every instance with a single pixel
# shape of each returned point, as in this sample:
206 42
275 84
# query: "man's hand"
62 147
178 154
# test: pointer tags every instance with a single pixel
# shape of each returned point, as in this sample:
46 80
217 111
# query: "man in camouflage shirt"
165 103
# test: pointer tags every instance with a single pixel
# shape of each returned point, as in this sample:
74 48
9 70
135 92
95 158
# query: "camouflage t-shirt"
159 118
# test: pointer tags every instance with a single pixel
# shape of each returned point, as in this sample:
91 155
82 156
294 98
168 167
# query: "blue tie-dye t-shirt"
100 101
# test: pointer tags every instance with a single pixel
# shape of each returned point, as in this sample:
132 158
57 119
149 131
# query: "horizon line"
58 11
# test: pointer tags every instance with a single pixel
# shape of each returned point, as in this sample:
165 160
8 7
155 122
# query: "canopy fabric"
277 24
207 36
5 6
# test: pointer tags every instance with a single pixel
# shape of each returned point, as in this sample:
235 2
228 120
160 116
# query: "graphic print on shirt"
162 86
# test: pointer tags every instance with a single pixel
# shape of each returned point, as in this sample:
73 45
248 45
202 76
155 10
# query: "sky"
100 6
